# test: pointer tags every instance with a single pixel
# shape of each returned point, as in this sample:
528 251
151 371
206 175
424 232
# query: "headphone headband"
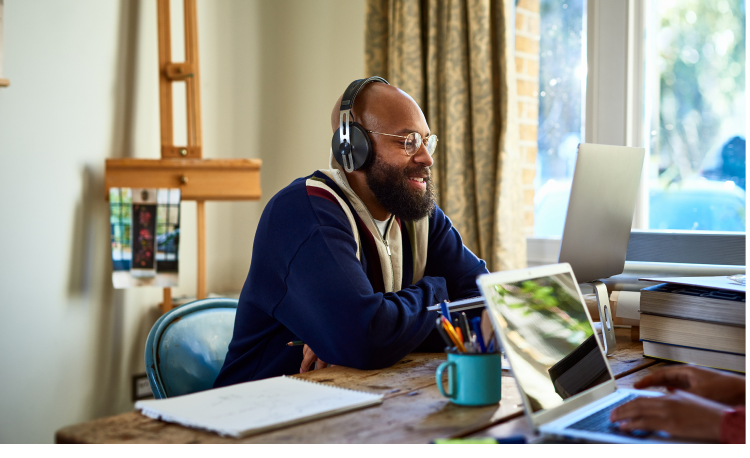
350 144
347 101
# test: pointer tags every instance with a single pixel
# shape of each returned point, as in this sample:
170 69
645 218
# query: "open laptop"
565 381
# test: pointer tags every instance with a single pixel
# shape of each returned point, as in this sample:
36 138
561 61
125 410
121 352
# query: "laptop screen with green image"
549 340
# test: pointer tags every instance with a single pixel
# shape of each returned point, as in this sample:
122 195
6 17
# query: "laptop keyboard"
598 422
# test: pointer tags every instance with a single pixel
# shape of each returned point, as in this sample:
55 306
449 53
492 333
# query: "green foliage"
549 299
700 62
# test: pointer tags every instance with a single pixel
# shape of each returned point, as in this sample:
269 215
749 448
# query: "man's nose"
422 157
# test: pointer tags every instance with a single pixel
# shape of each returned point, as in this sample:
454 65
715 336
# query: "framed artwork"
145 236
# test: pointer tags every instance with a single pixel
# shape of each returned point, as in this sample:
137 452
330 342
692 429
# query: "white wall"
290 61
84 88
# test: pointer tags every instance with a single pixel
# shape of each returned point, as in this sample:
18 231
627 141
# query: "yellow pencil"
452 334
459 334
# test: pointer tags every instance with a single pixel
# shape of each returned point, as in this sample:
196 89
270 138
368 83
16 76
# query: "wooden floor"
413 410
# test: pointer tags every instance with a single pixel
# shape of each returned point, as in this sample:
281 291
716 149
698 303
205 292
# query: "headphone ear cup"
360 142
361 145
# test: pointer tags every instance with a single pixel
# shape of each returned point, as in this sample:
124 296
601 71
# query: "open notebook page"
255 407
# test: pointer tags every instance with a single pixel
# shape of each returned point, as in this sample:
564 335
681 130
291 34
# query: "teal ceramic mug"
474 379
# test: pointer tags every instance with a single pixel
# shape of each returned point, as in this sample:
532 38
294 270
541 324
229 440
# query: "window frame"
615 82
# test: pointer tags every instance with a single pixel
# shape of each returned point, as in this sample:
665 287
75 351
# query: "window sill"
669 247
542 251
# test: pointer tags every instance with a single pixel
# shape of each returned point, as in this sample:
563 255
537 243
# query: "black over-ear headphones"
350 143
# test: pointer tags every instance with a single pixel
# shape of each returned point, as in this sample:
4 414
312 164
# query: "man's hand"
680 414
706 383
308 359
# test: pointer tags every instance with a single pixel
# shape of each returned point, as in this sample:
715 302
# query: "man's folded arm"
447 257
332 307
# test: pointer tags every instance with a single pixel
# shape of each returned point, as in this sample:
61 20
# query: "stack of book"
686 321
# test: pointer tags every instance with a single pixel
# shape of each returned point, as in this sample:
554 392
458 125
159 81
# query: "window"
562 80
695 112
633 97
668 75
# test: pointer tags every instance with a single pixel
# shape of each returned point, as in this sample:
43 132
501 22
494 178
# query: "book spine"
680 306
664 314
691 333
700 357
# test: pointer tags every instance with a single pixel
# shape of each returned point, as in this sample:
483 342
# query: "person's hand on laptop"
707 383
696 408
680 414
308 358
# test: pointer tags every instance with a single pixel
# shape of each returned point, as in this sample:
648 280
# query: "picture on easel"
145 236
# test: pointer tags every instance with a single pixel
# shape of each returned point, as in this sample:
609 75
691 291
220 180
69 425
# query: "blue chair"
187 346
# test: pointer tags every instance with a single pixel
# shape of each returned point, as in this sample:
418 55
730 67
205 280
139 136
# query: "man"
348 261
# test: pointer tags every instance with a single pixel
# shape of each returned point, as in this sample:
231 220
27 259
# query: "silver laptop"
600 211
565 381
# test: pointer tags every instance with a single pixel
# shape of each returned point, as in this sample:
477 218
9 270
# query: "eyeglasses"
414 141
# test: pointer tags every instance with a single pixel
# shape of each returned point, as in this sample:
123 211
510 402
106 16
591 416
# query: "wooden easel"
182 166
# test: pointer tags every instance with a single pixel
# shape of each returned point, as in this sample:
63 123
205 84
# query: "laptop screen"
549 340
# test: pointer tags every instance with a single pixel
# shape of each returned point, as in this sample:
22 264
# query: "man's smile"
418 182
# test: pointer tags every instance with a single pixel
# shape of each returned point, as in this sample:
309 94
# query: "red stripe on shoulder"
375 271
319 192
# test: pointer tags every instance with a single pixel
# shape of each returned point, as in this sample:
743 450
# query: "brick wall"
527 79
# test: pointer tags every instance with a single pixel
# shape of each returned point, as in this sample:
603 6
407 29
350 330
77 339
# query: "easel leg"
201 207
166 303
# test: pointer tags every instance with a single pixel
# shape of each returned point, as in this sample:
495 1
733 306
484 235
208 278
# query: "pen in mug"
493 341
444 310
465 326
457 328
473 342
443 334
452 334
476 323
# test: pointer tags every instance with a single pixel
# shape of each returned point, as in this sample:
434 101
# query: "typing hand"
309 358
680 414
707 383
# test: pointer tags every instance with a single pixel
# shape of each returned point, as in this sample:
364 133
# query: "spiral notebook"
259 406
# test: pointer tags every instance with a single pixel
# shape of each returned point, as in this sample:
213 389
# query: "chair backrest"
186 347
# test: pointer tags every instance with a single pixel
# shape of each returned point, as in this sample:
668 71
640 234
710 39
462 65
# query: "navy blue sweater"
306 283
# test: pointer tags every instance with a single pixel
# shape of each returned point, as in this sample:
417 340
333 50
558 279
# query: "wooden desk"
413 410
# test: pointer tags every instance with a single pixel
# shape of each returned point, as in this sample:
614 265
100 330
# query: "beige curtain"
455 58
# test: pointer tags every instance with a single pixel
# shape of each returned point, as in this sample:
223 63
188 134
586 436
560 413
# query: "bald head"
382 108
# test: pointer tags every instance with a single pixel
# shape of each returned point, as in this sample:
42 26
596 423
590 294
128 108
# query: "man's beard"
392 189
